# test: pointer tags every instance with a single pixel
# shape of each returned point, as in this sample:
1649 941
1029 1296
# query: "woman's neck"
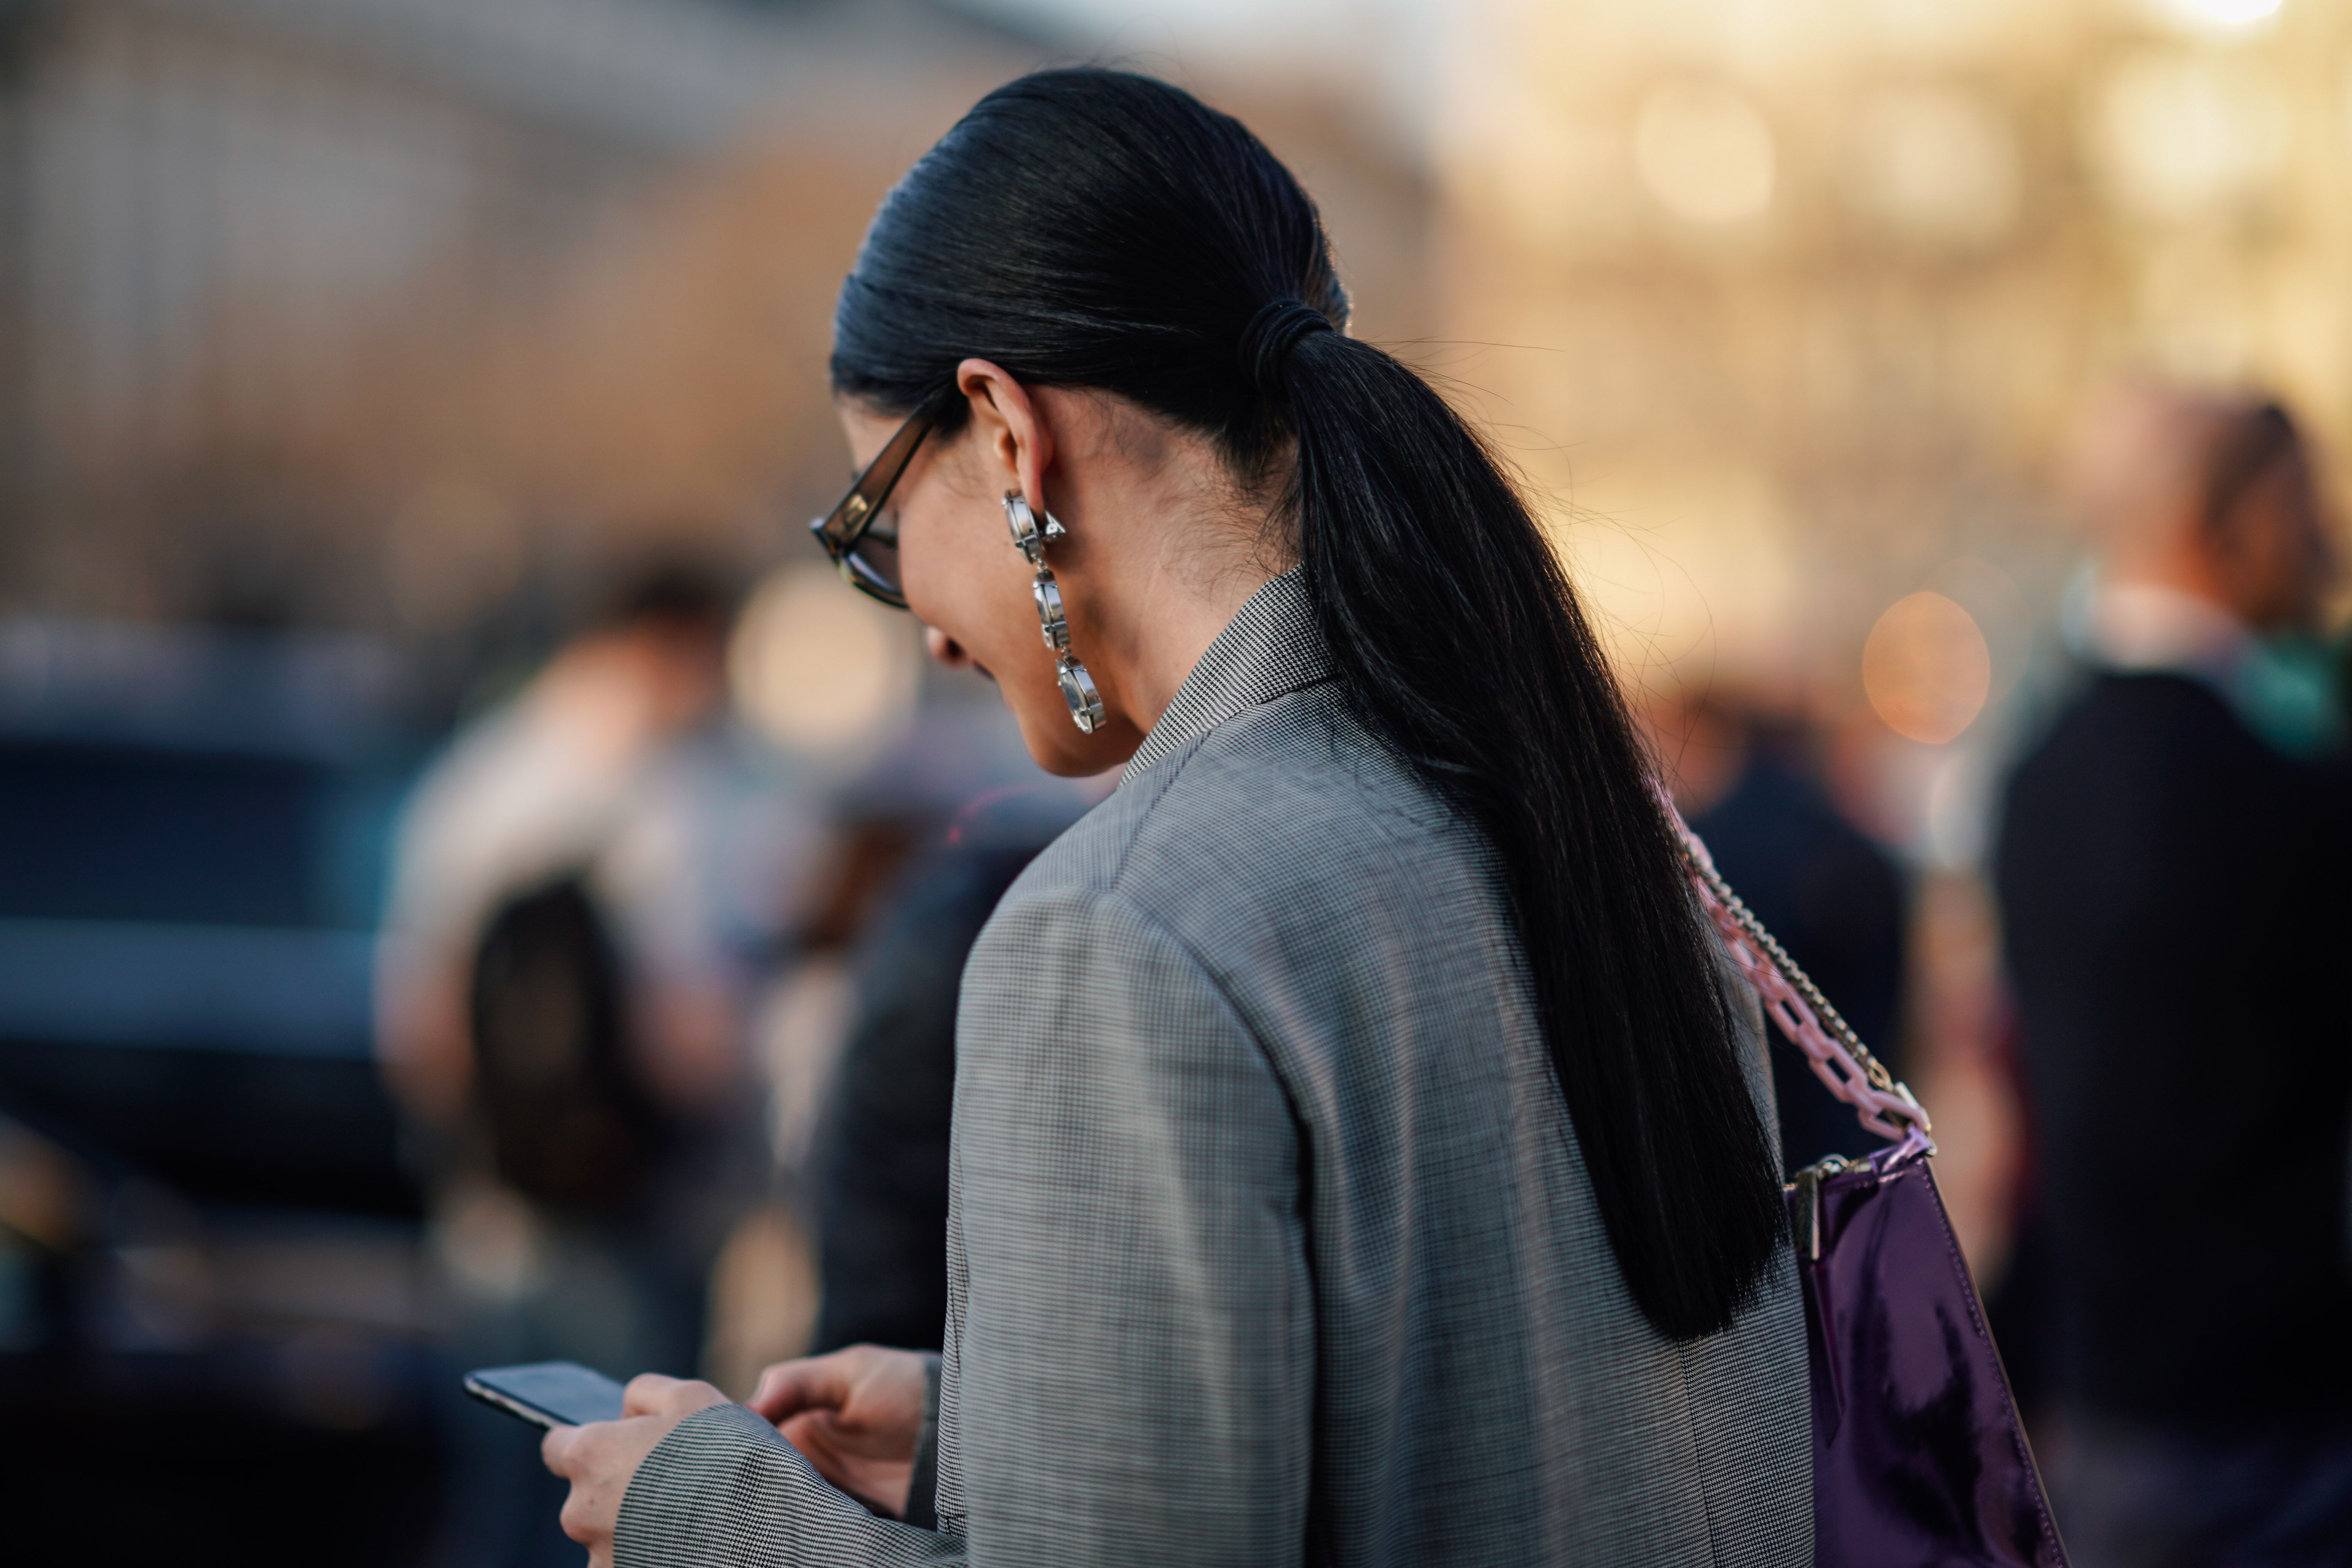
1163 553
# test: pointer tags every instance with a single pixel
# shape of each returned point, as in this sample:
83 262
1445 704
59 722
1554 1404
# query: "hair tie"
1266 341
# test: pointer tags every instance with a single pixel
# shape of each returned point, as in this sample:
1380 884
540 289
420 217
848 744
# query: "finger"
557 1449
816 1383
581 1519
645 1394
574 1520
812 1435
685 1395
810 1431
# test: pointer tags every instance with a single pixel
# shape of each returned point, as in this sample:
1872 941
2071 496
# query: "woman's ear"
1015 446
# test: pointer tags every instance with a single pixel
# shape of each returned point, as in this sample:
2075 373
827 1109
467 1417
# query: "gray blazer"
1271 1242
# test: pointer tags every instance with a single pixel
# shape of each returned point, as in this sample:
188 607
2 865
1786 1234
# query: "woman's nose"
945 649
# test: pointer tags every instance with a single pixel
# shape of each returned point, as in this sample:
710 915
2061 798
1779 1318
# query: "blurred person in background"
1748 782
2171 872
583 888
1358 1156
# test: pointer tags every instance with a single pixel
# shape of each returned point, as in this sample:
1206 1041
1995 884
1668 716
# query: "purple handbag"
1918 1455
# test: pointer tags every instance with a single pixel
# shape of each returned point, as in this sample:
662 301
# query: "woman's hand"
856 1414
600 1459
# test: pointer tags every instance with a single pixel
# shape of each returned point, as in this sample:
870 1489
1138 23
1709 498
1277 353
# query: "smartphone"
548 1393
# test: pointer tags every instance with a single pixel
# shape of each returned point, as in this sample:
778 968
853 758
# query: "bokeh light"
2175 134
1937 163
1705 152
819 668
1926 668
2220 17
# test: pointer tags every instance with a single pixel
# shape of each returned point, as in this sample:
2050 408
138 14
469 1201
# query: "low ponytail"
1466 651
1095 228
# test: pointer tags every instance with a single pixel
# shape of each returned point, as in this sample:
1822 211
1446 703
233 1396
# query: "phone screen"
548 1393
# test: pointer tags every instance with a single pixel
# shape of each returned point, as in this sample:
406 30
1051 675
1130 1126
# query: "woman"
1357 1157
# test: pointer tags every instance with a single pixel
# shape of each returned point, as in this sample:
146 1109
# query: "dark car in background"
212 1303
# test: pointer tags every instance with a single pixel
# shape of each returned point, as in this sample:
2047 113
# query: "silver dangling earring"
1030 540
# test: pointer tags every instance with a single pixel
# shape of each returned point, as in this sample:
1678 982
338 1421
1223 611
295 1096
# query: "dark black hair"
571 1123
672 591
1095 228
2252 438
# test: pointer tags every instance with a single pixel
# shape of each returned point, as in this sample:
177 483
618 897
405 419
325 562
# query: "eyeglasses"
864 555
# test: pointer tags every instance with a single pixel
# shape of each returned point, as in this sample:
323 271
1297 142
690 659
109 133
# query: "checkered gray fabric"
1271 1240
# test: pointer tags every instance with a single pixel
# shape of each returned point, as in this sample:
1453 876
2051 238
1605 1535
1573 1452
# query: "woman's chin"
1059 747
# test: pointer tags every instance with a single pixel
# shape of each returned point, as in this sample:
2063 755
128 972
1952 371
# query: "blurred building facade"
1787 307
362 309
371 311
375 311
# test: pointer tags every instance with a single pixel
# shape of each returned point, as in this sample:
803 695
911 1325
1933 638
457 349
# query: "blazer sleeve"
1131 1358
725 1488
1133 1348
